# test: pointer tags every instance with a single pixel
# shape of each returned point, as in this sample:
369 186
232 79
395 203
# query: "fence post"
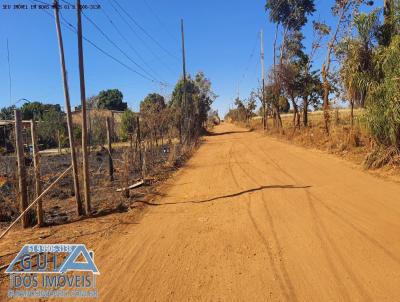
36 165
22 190
139 141
110 160
144 166
59 141
125 157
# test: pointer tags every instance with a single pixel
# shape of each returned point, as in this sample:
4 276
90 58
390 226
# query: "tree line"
160 118
361 66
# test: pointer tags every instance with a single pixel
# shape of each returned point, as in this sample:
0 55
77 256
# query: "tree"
36 110
111 99
284 105
292 15
311 93
7 113
244 109
128 124
152 103
151 111
205 99
190 117
356 55
184 112
250 106
342 10
290 73
52 128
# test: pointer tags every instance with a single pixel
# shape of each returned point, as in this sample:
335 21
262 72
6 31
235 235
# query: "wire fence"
129 159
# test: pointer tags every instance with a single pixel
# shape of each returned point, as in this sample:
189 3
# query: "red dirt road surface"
250 218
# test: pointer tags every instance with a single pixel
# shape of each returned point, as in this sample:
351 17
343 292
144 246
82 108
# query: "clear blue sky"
220 38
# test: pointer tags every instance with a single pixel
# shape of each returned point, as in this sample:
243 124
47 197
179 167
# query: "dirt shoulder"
341 144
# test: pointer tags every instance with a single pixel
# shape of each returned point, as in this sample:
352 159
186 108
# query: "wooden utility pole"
265 125
85 155
184 122
68 111
22 191
36 166
110 160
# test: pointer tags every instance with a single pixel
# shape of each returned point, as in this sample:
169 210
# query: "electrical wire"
115 45
144 31
139 37
162 24
73 29
127 41
249 61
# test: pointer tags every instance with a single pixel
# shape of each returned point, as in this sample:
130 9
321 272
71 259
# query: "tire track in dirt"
310 164
326 241
329 208
284 283
357 229
324 238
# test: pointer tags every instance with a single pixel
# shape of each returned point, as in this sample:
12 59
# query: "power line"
249 60
144 31
73 29
127 41
138 36
115 45
162 24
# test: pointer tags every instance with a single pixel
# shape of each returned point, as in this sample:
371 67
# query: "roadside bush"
383 108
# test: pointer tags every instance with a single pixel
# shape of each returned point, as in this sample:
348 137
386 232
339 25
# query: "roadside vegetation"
360 73
151 142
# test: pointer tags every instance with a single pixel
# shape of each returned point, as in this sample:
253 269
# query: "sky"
221 39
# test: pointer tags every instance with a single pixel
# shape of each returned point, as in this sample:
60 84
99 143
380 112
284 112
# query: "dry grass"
59 204
381 157
353 143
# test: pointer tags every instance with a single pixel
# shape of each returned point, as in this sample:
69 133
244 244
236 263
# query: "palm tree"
357 64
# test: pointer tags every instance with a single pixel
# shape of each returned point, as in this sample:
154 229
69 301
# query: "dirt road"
254 219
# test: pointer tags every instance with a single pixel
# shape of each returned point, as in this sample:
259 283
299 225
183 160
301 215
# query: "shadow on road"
229 195
226 133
